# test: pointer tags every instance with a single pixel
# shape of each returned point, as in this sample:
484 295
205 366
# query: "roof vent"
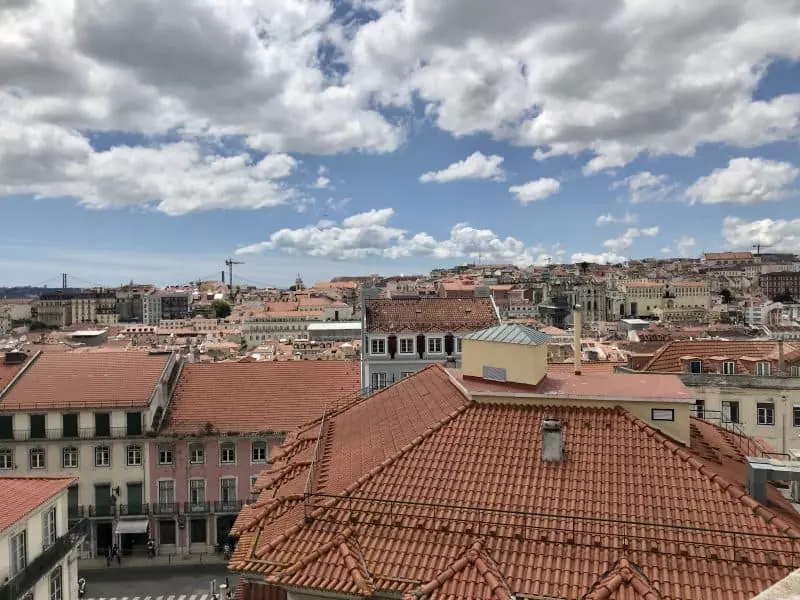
552 441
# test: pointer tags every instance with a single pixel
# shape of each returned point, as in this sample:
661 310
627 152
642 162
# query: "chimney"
577 326
552 441
781 359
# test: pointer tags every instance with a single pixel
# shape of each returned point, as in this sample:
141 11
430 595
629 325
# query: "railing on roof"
685 541
745 443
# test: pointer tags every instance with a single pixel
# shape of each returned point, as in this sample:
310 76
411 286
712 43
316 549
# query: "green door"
135 498
72 502
102 500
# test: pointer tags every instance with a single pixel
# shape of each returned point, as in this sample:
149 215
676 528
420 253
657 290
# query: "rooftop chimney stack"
577 326
552 441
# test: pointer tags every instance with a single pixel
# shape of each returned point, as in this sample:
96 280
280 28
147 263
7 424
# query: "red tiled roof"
259 396
8 372
606 367
668 359
430 314
85 380
462 506
728 255
20 496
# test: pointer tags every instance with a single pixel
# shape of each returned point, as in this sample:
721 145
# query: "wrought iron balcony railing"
83 433
196 507
134 510
228 506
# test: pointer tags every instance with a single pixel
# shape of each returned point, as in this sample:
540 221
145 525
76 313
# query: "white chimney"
552 441
577 326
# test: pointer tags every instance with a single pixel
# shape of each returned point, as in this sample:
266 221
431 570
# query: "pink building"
222 426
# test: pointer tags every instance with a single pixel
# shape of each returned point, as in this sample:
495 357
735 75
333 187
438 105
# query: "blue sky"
219 133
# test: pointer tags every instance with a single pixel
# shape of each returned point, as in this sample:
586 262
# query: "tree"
726 296
221 309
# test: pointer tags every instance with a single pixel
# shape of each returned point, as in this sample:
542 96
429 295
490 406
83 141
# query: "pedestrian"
115 552
108 557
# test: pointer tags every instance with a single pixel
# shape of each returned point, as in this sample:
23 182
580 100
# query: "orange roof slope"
8 372
430 314
468 508
85 380
22 495
668 359
260 396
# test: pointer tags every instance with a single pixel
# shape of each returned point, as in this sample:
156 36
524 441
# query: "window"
6 427
700 409
37 458
377 346
730 411
197 531
133 423
227 489
406 345
378 380
434 345
729 367
695 366
56 580
227 454
197 454
763 368
459 342
795 370
69 425
19 553
38 427
765 411
6 459
662 414
796 416
102 456
258 452
166 492
69 458
197 491
165 455
49 527
134 456
102 424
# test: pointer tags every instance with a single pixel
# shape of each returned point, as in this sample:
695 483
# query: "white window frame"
222 481
796 415
762 414
258 445
700 368
459 345
170 488
403 339
163 449
381 344
37 452
763 368
795 370
197 454
49 527
228 448
73 453
55 582
729 367
98 453
430 342
380 378
18 546
131 452
6 459
193 501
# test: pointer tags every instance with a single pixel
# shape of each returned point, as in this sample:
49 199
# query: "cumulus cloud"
745 181
370 234
645 187
780 235
626 239
684 245
475 166
602 258
533 191
607 219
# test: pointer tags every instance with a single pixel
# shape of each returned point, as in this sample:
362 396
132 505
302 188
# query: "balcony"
165 508
194 508
85 433
40 566
102 510
228 506
134 510
76 512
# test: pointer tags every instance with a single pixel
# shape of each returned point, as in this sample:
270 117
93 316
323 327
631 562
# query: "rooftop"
728 255
430 314
419 492
670 358
19 496
510 333
111 379
259 396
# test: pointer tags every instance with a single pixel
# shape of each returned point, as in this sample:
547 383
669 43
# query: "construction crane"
758 248
229 263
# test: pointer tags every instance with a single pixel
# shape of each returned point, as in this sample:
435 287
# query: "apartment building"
775 284
647 298
38 542
725 259
403 336
86 415
223 425
94 306
276 325
165 304
53 309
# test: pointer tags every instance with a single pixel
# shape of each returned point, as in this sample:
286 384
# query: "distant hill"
28 292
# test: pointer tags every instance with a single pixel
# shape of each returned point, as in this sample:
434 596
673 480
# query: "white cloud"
626 219
684 245
666 250
626 239
338 204
778 235
603 258
475 166
645 187
535 190
745 181
370 234
322 182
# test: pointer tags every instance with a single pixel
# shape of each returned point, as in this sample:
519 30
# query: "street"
159 583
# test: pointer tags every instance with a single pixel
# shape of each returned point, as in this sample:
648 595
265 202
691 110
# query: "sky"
147 140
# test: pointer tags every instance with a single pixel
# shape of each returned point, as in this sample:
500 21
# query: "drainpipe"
781 360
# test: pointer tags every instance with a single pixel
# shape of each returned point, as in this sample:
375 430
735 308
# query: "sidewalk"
168 560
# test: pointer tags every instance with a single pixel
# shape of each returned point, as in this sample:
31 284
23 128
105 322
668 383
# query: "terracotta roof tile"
430 314
85 380
260 396
474 475
8 372
22 495
668 359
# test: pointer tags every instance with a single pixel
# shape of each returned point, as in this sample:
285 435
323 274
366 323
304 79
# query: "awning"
132 526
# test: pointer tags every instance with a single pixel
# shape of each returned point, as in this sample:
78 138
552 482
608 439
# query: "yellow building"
646 298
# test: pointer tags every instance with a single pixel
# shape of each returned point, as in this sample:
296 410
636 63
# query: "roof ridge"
622 573
658 354
268 507
733 490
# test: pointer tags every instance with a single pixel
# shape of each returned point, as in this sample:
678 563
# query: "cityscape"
399 300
